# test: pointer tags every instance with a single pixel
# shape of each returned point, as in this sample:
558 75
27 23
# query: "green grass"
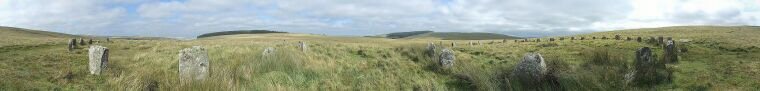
718 58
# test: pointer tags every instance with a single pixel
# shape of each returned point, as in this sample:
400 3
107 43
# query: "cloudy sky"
527 18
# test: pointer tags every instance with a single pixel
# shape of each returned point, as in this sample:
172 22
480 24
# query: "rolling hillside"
448 35
18 36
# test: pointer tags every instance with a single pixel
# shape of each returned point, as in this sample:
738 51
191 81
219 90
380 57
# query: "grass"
718 58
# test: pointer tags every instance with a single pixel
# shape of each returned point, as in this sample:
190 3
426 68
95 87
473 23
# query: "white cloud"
187 18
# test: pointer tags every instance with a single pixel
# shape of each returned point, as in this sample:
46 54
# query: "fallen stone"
531 70
193 63
98 59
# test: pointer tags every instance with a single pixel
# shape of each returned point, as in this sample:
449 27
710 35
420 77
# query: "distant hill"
447 35
238 32
19 36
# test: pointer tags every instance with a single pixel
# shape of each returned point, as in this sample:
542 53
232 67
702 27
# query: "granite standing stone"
89 41
98 59
447 58
638 39
531 70
268 51
671 52
303 46
430 50
617 37
660 40
551 39
72 44
193 63
81 41
645 69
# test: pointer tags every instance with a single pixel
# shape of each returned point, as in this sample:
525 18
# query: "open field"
718 58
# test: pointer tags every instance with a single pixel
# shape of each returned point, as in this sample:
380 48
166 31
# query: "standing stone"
515 41
268 51
81 41
583 38
72 44
671 52
98 59
593 37
471 43
660 40
430 50
645 69
479 43
89 41
617 37
531 70
447 58
525 40
453 44
504 41
551 39
538 40
638 39
561 38
628 39
303 46
652 40
572 38
193 63
604 37
108 39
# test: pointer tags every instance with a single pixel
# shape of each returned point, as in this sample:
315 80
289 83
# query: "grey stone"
193 63
89 41
447 58
98 59
81 42
638 39
303 46
671 52
268 51
646 68
551 39
72 44
617 37
453 44
531 70
430 50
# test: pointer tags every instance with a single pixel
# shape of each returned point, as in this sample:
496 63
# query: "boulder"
98 59
531 70
193 63
671 52
447 58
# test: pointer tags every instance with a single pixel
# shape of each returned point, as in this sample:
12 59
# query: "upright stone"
89 41
108 39
98 59
471 43
645 69
81 41
303 46
72 44
583 38
430 50
660 40
628 39
593 37
453 44
538 40
480 43
504 41
447 58
193 63
617 37
561 38
653 40
531 70
268 51
638 39
604 37
551 39
572 38
671 52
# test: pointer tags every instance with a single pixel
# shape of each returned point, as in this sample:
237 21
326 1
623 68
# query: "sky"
525 18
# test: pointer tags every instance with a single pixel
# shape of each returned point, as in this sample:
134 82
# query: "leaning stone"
504 41
98 59
671 52
531 70
193 63
447 58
